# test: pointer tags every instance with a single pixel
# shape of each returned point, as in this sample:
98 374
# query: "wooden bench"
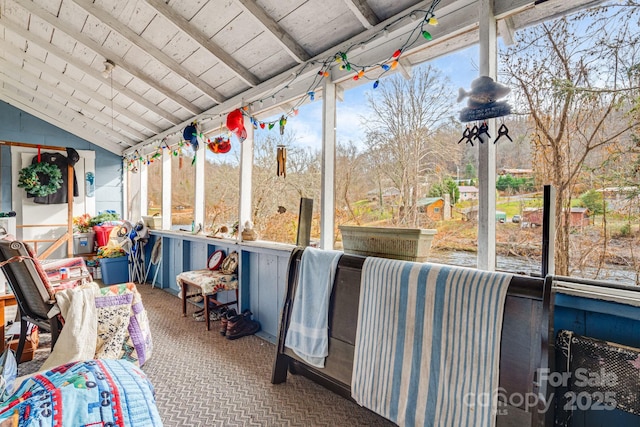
525 348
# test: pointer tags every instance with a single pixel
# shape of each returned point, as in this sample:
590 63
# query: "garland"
29 180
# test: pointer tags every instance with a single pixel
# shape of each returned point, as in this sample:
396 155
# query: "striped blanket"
428 342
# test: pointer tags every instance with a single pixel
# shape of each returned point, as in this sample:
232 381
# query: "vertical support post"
198 206
69 211
125 187
144 190
246 173
487 151
166 189
327 203
548 230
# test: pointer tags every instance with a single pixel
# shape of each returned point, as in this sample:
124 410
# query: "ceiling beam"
53 49
148 47
72 103
81 132
88 121
77 86
283 38
185 26
364 13
100 50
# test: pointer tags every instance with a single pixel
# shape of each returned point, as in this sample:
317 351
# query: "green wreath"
29 180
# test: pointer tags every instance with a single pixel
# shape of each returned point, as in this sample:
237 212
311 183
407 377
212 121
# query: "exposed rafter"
85 40
150 49
363 12
54 50
77 86
225 59
60 118
88 121
292 47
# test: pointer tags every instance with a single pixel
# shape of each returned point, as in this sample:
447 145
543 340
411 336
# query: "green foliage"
29 178
448 186
625 230
593 201
514 185
104 217
469 171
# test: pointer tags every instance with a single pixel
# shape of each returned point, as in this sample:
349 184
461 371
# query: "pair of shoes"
212 316
225 319
198 313
241 325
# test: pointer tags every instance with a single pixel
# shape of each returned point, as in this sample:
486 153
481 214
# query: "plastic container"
153 222
102 234
409 244
83 243
114 270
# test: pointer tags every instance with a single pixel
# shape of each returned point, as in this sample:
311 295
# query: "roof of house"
468 189
426 201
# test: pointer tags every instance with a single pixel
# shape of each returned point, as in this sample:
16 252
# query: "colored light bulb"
394 64
427 35
375 85
312 95
385 67
397 53
361 73
433 21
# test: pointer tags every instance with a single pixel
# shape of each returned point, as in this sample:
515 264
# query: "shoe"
241 325
225 320
212 316
198 313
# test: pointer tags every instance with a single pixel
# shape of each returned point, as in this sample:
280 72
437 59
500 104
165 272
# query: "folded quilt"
308 334
108 322
427 341
90 393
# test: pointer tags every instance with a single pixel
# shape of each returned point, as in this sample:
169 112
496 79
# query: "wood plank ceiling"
177 61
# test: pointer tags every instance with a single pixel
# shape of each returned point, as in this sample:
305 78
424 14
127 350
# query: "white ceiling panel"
182 60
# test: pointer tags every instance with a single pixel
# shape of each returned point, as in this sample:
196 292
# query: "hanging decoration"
483 102
340 60
235 124
29 179
219 145
282 161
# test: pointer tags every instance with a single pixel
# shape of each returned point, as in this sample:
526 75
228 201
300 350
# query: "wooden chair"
34 292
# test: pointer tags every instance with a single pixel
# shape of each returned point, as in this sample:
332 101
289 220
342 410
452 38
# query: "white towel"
308 334
428 342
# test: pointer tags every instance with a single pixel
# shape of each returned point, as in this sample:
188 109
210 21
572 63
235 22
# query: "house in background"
468 192
436 208
532 217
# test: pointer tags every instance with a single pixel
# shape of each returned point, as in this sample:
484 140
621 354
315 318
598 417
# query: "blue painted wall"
18 126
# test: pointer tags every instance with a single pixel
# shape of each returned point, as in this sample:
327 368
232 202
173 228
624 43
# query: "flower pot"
409 244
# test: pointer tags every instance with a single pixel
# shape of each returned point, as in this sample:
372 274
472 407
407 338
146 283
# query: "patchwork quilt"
102 323
91 393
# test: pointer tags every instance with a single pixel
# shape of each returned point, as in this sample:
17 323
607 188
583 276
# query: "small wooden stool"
210 283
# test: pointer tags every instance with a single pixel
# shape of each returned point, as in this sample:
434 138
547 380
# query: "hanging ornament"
271 125
283 122
261 125
235 124
282 161
192 135
219 145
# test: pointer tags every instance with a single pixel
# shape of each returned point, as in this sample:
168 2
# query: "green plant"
104 217
29 179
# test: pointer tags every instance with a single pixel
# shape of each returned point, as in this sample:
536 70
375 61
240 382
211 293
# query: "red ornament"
262 125
397 53
235 124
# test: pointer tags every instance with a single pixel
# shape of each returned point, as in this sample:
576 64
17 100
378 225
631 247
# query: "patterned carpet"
203 379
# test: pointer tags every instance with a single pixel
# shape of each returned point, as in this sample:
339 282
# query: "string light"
339 59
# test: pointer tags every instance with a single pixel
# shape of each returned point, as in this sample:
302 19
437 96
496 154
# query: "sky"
460 67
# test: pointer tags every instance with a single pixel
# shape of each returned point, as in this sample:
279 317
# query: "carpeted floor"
203 379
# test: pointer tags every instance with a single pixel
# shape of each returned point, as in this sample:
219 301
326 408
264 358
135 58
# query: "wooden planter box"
409 244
